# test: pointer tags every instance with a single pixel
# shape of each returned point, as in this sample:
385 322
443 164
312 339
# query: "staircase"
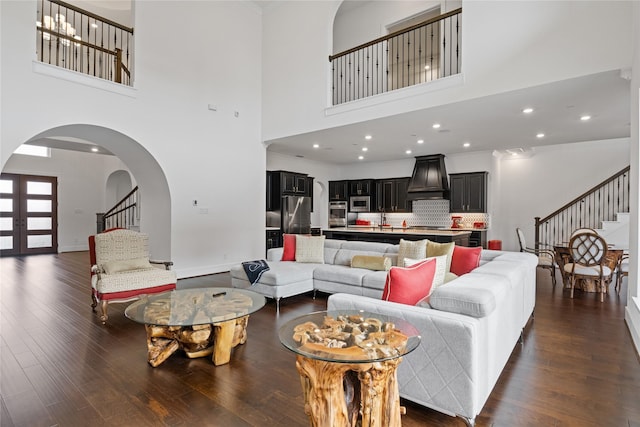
124 214
605 207
616 232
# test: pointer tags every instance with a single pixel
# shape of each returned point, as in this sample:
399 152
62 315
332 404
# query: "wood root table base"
350 394
196 341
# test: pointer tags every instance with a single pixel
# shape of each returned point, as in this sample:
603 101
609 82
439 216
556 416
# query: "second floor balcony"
79 40
421 53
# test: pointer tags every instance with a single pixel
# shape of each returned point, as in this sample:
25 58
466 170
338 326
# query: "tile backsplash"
432 213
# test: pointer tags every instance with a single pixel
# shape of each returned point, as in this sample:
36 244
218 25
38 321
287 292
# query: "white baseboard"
73 248
184 273
632 317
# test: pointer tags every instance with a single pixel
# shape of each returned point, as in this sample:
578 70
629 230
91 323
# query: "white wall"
81 190
506 46
213 157
632 313
369 20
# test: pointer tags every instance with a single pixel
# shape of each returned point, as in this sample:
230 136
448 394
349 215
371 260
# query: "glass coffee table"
202 321
347 361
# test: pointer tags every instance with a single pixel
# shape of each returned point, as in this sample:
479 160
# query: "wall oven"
360 204
337 214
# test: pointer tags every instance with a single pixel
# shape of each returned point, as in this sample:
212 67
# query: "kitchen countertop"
400 230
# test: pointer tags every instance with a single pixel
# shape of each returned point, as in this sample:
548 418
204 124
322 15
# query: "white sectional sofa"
468 328
288 278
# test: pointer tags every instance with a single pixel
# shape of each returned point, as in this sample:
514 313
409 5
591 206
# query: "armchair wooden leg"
103 310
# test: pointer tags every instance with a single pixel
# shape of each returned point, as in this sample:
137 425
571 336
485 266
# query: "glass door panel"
28 214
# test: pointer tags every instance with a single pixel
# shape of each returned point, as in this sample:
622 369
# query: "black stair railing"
78 40
588 210
123 214
421 53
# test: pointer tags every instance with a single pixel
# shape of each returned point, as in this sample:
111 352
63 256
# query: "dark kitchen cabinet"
361 187
309 192
293 184
478 238
468 192
274 239
391 195
338 190
284 183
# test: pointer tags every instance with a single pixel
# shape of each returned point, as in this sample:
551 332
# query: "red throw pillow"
409 285
288 247
465 259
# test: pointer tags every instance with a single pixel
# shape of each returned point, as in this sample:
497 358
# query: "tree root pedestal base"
197 341
350 394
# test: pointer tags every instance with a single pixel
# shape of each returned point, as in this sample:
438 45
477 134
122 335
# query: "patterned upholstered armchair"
121 270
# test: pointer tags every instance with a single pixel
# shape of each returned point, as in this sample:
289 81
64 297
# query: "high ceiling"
488 123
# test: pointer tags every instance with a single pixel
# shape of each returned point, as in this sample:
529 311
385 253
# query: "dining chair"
622 271
588 252
546 257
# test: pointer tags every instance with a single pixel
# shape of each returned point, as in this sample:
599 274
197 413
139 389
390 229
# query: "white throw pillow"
411 249
310 248
441 268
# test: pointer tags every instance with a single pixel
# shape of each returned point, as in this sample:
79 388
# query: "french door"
28 214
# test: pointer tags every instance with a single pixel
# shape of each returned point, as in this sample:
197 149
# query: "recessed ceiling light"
316 145
408 152
436 125
585 118
540 135
466 144
360 157
365 149
94 149
367 137
421 141
527 110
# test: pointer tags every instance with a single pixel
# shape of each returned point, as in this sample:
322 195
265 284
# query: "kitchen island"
394 234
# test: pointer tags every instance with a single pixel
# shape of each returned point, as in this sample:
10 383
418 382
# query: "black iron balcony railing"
421 53
78 40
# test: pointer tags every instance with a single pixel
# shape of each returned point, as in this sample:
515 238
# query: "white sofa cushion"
375 280
340 274
474 295
284 272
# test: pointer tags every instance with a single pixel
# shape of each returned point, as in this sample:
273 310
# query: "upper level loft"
82 41
413 54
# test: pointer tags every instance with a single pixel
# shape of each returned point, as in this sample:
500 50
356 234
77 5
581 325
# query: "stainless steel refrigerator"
295 215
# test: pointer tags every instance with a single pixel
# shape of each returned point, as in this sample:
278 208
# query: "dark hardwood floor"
60 366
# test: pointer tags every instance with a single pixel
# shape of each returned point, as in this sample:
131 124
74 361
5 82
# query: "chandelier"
61 26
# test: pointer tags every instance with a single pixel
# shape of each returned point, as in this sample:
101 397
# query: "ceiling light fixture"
365 149
585 118
408 152
436 125
316 145
421 141
367 137
466 145
527 110
94 149
540 135
360 157
61 26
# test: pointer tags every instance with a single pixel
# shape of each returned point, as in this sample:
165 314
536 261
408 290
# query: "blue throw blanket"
254 269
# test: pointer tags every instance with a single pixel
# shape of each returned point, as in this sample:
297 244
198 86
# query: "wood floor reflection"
60 366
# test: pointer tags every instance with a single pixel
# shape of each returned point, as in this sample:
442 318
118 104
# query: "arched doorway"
155 216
